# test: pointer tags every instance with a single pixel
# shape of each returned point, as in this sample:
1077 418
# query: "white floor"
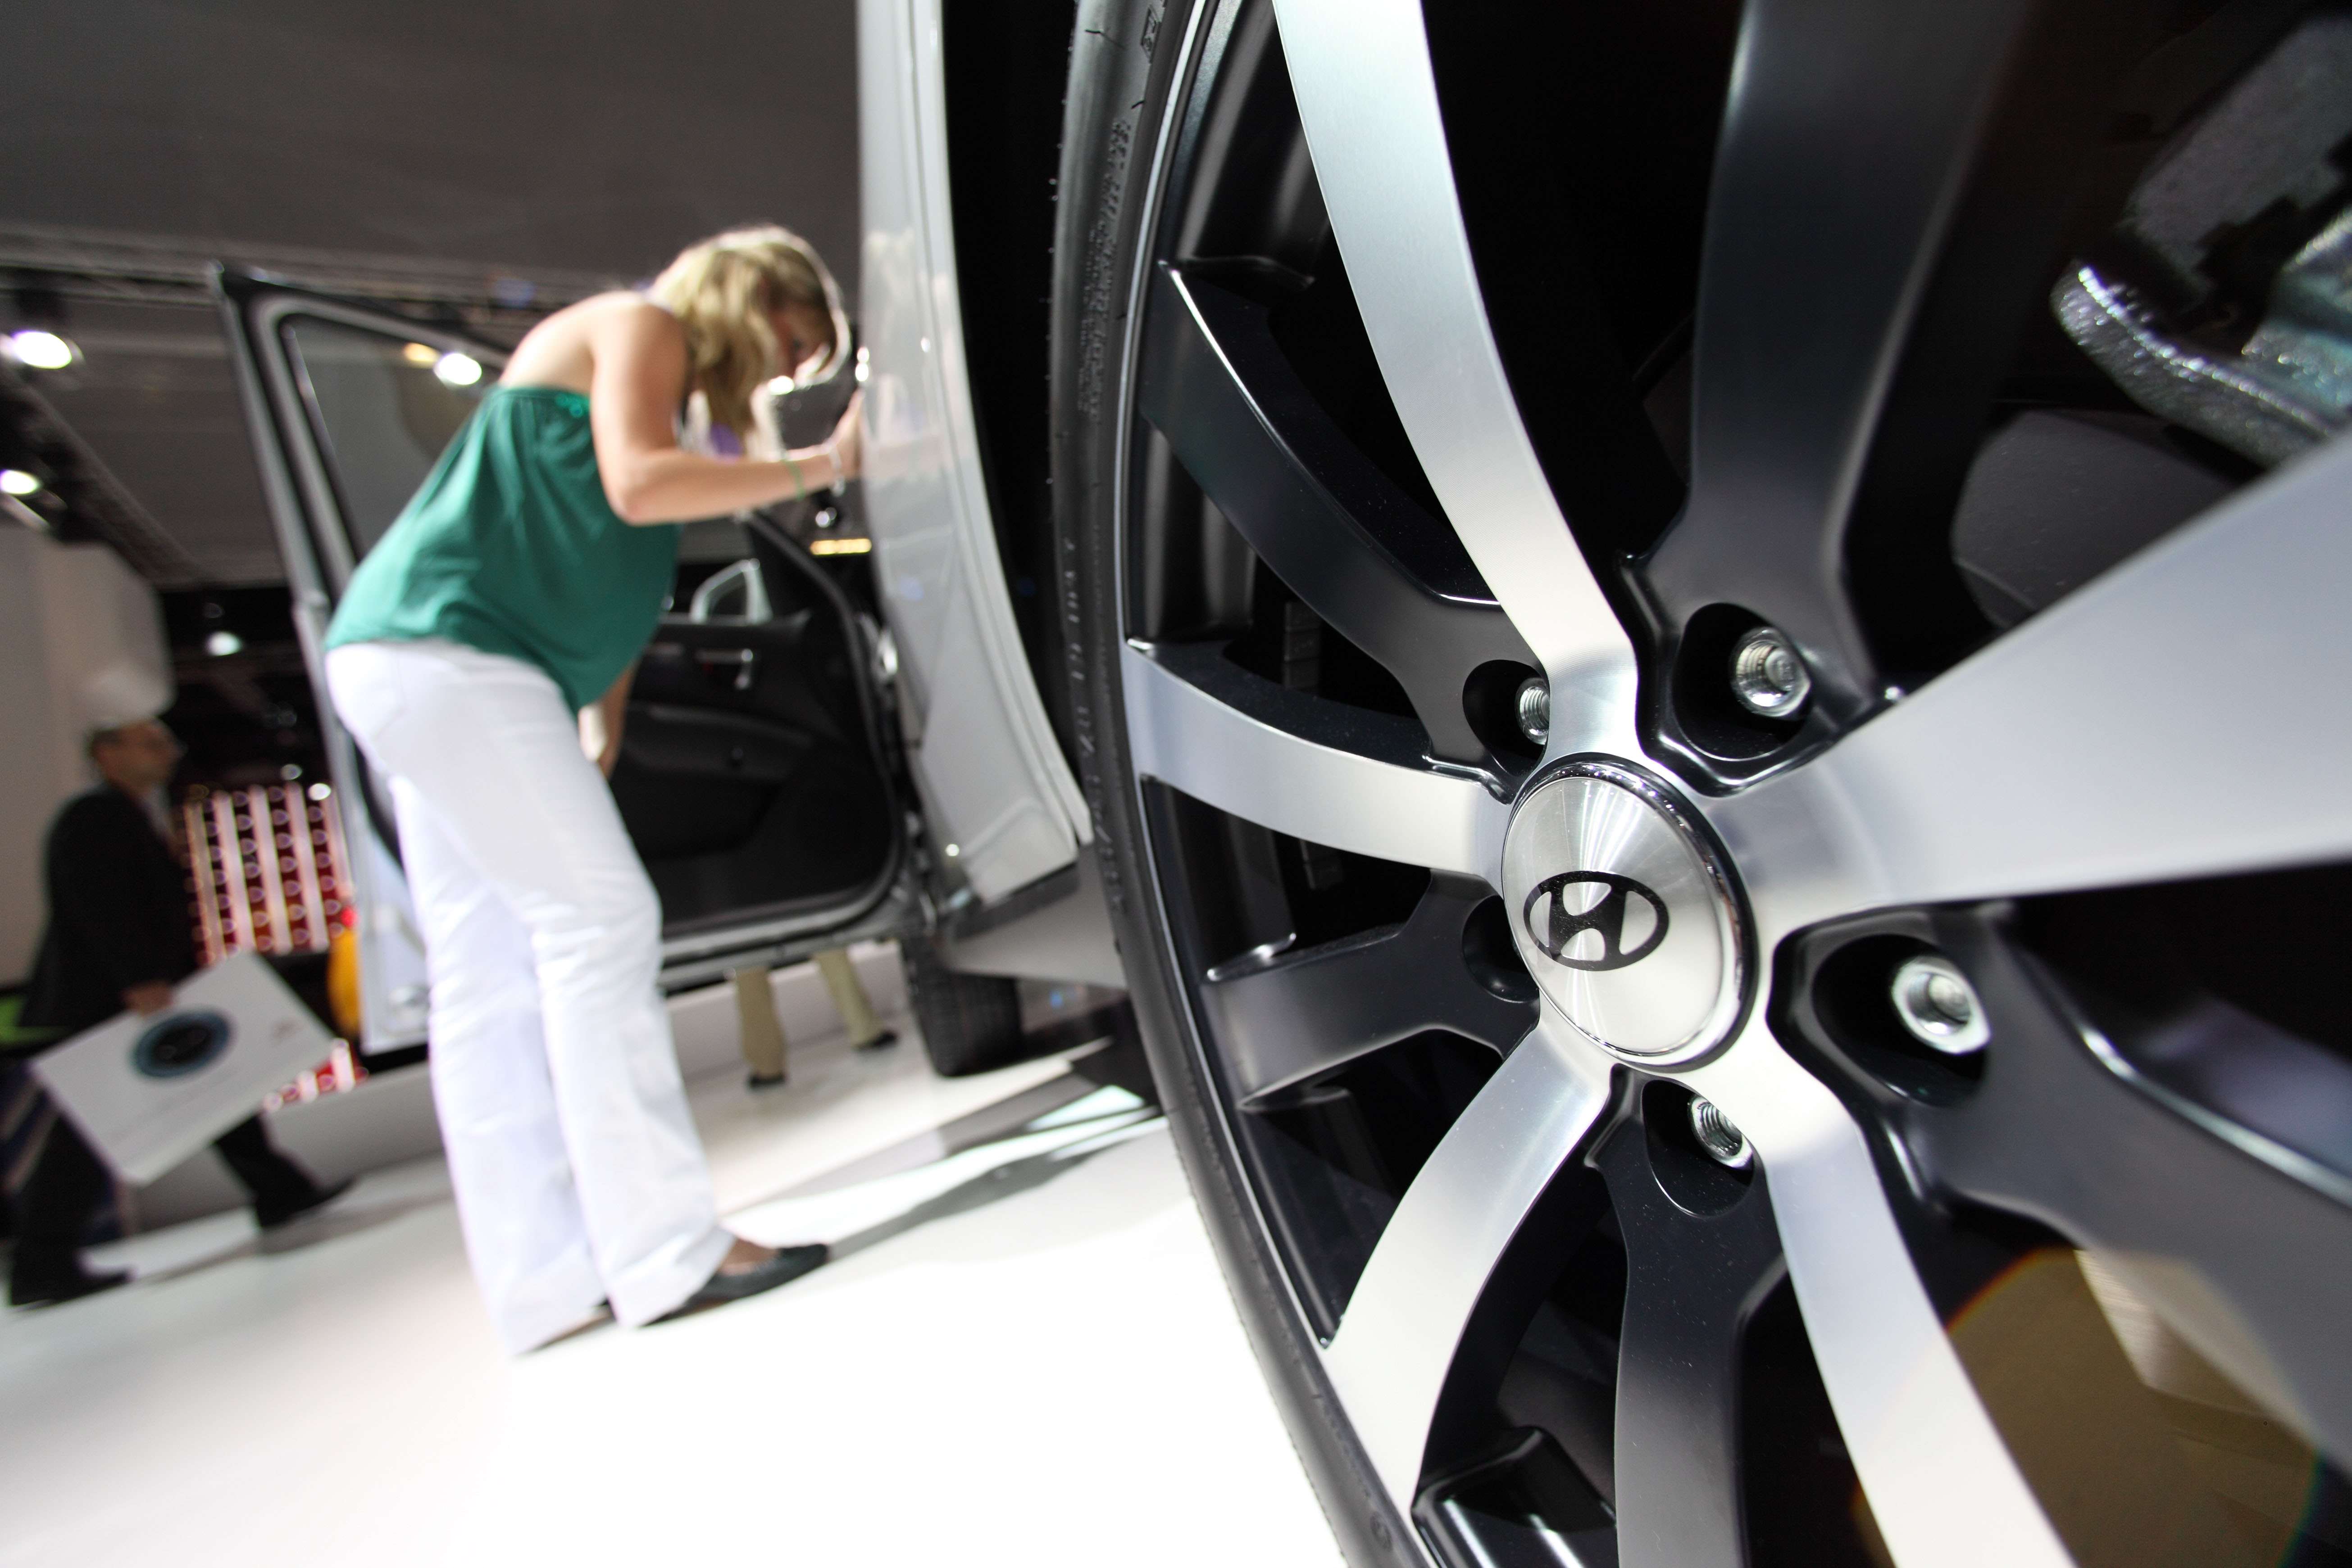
1051 1377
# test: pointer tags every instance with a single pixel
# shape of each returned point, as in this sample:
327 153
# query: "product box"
149 1092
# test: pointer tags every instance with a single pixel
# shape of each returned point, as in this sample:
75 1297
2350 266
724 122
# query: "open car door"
753 777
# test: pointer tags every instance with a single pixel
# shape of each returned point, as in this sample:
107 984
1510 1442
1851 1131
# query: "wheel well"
1006 70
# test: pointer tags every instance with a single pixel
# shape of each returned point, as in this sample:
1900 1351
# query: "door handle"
743 661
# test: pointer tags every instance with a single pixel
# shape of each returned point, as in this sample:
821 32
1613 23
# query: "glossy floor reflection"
1023 1353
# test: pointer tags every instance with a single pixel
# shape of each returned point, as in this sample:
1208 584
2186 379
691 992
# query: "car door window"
385 408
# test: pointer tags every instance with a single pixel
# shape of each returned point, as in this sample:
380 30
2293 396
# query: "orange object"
344 981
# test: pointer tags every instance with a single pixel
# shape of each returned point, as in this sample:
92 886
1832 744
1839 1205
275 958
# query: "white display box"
149 1092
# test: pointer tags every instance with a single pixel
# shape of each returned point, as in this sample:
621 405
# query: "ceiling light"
220 645
17 482
457 370
40 350
420 354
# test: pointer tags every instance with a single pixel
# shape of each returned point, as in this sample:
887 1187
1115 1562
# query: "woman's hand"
840 458
637 382
600 721
848 442
148 997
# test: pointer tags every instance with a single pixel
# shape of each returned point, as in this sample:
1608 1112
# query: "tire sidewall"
1124 62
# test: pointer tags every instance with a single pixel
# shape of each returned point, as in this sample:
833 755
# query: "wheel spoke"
2249 1264
1693 1279
1332 775
1361 72
1848 143
1330 524
1397 1339
1882 209
2006 775
1299 1017
1941 1483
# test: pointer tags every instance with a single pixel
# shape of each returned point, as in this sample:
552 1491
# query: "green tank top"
510 547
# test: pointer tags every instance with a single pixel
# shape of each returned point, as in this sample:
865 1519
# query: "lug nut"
1767 675
1535 709
1725 1145
1939 1007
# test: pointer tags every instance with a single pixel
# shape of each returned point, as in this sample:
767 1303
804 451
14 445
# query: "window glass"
389 406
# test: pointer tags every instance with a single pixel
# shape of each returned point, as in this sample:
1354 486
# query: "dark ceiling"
591 135
561 144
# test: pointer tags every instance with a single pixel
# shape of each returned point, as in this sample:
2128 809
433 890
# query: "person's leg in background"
282 1191
68 1180
53 1210
849 999
759 1032
487 744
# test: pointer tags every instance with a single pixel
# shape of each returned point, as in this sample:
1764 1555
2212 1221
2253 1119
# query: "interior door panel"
747 779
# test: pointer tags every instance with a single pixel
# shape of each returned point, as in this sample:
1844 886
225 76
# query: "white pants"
578 1172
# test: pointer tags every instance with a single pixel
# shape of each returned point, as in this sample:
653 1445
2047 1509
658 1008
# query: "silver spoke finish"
2002 778
2133 732
1939 1477
1237 761
2051 760
1940 1481
1360 71
1397 1340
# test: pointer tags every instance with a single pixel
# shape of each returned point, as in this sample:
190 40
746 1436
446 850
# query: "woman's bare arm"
636 385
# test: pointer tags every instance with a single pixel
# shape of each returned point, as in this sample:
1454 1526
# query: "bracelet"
800 485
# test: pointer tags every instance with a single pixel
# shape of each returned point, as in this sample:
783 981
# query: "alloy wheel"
1687 996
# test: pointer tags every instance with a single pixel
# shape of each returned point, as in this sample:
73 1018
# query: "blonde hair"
721 290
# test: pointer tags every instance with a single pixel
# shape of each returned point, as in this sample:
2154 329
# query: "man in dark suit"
119 937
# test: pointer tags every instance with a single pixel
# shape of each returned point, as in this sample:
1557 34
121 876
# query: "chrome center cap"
1623 913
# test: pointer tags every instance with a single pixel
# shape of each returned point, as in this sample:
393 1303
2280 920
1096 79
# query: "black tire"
1122 62
970 1023
1675 1311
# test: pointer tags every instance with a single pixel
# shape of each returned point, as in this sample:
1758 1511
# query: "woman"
493 625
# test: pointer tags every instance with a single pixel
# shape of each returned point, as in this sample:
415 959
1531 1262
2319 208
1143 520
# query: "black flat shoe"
788 1265
887 1038
754 1080
41 1286
273 1217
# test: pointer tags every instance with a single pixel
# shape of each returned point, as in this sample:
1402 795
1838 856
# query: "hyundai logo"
1624 916
1555 925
